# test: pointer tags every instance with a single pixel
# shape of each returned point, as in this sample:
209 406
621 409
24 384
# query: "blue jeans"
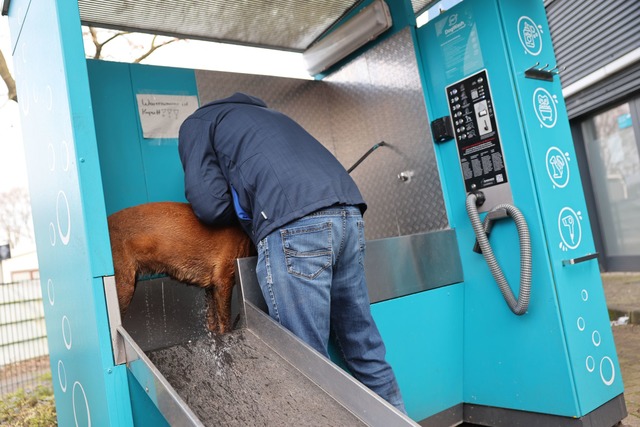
311 273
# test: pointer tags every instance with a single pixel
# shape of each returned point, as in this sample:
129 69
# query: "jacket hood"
239 98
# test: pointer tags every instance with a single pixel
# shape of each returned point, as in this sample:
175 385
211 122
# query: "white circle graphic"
570 228
52 157
544 105
50 291
52 234
65 146
49 98
62 376
530 35
66 332
580 324
596 339
613 371
64 237
584 294
590 364
86 404
557 167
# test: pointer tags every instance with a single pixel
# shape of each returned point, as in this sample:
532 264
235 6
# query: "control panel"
477 138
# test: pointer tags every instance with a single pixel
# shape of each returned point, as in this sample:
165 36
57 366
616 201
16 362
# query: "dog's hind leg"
125 286
219 308
212 311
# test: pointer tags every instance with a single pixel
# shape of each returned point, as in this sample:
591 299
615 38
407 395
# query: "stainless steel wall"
376 97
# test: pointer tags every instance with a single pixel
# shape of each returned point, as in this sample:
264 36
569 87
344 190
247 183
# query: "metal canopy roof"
280 24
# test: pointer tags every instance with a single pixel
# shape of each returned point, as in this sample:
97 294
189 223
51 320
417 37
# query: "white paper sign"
162 115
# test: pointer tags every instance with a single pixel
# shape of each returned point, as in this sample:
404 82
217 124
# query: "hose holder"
483 229
492 216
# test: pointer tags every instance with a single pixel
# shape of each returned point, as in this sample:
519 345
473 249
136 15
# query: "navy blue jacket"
243 159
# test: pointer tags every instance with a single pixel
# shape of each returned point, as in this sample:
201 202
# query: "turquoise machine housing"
68 212
459 353
559 358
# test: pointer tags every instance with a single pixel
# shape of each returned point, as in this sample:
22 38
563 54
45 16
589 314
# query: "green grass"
29 408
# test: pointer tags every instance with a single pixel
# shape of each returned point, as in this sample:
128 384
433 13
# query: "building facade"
597 44
21 267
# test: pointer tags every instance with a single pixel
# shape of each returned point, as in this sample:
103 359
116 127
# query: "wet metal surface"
164 312
237 380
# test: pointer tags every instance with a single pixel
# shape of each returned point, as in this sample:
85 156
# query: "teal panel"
145 412
509 361
17 12
423 336
564 212
68 211
117 381
135 169
117 130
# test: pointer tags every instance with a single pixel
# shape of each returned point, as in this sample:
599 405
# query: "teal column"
68 211
585 319
559 358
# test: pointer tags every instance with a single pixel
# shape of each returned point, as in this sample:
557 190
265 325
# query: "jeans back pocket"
307 249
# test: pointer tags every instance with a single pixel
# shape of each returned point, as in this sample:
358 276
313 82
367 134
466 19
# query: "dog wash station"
470 109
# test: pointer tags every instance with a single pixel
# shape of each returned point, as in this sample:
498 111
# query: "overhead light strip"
365 26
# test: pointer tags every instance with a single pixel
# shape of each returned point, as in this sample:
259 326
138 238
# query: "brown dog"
167 238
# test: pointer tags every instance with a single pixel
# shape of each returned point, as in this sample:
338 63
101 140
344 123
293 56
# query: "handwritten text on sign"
162 115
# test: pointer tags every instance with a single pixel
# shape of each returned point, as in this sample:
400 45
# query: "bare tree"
100 44
8 79
141 50
154 47
15 216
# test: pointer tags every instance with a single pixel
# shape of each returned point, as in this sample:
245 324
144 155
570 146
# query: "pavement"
622 291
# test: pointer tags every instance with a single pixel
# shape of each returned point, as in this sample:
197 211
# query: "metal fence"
24 352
